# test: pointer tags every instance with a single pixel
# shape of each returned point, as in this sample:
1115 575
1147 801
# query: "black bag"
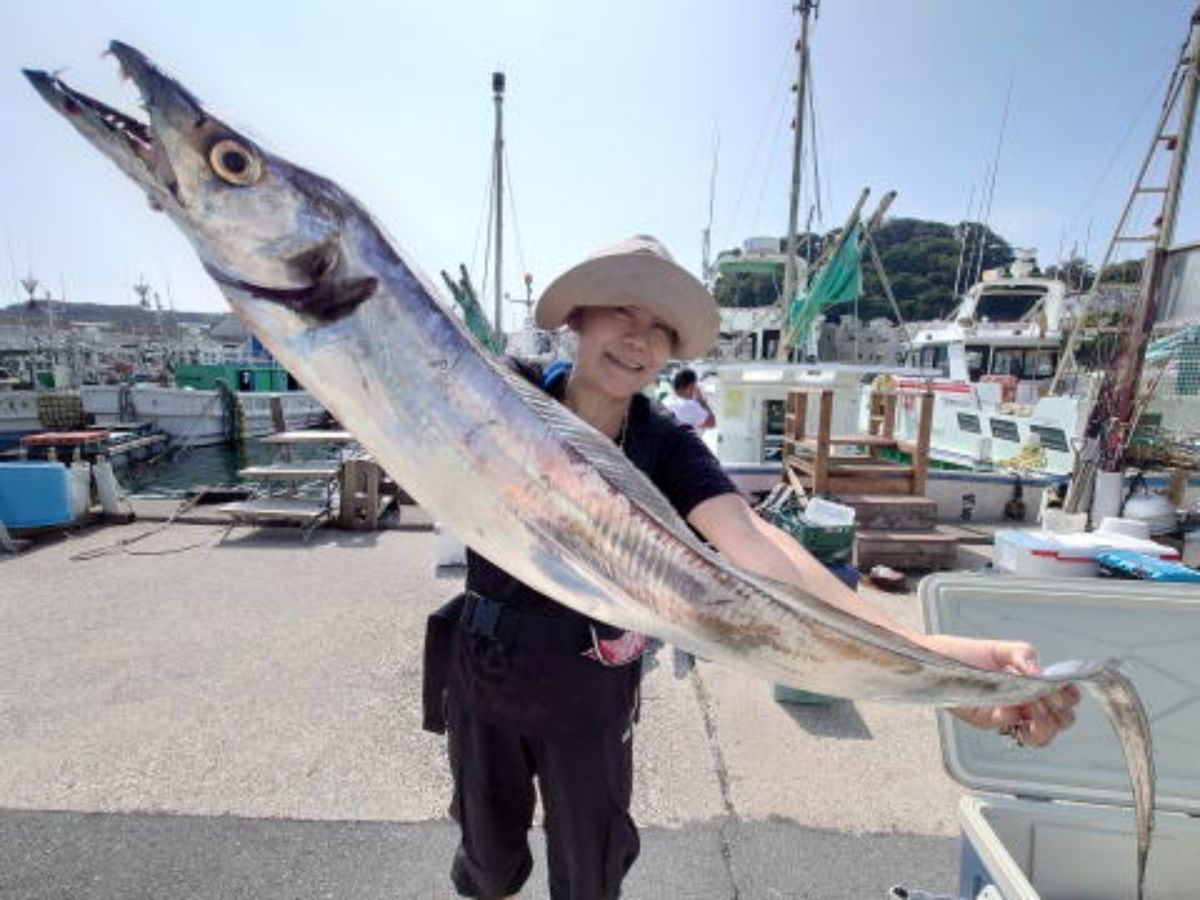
440 629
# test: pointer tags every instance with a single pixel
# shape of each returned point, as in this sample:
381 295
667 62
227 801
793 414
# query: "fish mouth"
180 136
137 147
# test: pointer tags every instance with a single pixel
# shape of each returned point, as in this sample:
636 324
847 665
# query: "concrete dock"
196 717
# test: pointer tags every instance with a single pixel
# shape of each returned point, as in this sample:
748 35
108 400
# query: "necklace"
624 425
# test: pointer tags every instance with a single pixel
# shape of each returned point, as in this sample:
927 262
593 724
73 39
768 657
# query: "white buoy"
106 487
1108 496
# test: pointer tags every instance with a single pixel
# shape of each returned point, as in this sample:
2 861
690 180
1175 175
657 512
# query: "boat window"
773 417
1008 361
968 422
937 358
1006 306
1044 363
1005 430
1051 438
1024 363
979 360
770 338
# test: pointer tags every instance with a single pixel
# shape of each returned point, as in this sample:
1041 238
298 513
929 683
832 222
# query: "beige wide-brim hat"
636 272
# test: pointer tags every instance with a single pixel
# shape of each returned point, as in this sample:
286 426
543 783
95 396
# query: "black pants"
585 783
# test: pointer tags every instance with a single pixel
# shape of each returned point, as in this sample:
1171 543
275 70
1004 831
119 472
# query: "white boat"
995 358
750 400
197 417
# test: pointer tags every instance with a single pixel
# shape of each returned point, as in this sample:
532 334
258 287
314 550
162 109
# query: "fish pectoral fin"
332 300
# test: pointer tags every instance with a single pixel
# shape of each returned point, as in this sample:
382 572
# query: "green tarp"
838 281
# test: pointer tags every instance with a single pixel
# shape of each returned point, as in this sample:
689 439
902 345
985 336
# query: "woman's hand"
1032 724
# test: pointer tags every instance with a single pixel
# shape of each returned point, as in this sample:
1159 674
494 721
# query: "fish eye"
234 162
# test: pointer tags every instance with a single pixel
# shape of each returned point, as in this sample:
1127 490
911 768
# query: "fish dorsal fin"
605 457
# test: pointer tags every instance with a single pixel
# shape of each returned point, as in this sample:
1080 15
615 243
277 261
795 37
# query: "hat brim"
658 286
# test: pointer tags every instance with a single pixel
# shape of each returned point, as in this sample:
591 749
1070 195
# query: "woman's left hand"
1033 724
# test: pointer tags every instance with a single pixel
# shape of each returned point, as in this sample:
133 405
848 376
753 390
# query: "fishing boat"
994 359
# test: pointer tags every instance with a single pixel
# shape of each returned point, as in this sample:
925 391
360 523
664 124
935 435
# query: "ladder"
1112 414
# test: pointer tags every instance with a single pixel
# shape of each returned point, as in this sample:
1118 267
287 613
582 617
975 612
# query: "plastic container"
1133 528
1191 549
1131 564
36 495
1057 823
1047 554
1106 498
1154 509
826 512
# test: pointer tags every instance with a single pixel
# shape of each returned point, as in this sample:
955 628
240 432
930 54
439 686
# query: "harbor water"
200 467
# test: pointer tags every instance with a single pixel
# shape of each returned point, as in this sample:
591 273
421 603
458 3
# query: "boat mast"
498 169
805 8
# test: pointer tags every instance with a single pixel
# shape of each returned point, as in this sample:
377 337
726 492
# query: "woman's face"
621 348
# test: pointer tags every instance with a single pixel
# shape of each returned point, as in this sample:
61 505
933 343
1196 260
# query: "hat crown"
638 245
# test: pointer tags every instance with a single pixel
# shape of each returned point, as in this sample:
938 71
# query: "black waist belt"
533 631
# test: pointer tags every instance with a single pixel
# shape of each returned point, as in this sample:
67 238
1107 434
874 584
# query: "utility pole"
805 8
498 168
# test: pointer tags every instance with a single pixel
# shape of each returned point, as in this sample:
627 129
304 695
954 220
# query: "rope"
122 545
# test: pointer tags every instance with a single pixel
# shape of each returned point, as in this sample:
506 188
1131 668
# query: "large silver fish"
515 474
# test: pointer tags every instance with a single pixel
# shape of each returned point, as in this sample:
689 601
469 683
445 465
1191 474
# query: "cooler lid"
1154 628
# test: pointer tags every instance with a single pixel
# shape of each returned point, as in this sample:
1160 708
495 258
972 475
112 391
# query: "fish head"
261 226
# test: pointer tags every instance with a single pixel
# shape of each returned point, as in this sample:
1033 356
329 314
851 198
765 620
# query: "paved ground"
242 720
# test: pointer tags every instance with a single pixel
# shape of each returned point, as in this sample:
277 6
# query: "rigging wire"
512 207
1135 122
990 191
484 216
964 242
766 176
487 244
812 118
771 106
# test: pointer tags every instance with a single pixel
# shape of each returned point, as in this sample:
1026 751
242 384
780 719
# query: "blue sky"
610 119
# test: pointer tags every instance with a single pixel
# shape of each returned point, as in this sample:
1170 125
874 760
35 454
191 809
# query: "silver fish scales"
517 475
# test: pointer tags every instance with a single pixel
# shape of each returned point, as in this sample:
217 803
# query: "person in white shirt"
689 404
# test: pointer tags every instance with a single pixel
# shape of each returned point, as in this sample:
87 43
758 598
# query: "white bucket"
1191 549
1107 495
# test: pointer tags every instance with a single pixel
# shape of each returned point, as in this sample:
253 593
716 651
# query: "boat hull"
196 417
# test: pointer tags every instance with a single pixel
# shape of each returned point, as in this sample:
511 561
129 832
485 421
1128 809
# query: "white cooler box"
1057 823
1047 553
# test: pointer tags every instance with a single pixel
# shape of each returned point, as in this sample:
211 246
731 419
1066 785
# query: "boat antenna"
990 190
805 8
964 238
498 83
706 268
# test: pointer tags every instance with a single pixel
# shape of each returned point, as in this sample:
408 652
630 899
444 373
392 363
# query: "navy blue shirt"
670 453
560 691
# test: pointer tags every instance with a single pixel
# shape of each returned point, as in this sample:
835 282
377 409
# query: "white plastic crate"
1057 555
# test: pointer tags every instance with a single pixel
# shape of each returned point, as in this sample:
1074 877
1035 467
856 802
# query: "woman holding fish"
537 690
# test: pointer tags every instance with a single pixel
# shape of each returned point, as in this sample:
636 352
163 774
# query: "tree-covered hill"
921 259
